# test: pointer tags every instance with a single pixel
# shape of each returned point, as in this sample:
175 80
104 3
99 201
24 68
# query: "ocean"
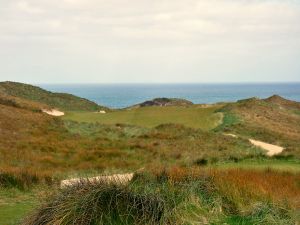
123 95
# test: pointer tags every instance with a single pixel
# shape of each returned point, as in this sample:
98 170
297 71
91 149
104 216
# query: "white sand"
53 112
271 149
231 135
116 179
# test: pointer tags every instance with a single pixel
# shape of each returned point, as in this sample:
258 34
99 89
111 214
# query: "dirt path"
271 149
116 179
53 112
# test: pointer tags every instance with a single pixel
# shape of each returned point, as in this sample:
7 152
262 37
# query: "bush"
100 203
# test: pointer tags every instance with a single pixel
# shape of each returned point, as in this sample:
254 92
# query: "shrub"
100 203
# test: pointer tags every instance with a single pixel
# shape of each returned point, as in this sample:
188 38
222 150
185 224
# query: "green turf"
195 116
14 205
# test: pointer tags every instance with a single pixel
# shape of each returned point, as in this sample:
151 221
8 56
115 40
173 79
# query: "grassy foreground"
178 196
192 116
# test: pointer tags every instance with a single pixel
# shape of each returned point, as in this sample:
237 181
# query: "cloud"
26 7
121 37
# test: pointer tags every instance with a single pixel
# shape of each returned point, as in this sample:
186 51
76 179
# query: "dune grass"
177 196
36 94
193 116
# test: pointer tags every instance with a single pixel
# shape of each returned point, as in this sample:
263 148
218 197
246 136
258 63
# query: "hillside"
38 150
275 120
164 102
62 101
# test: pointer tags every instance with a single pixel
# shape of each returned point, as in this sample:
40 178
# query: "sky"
149 41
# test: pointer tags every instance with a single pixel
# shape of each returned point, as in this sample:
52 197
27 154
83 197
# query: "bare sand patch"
114 179
271 149
101 112
231 135
53 112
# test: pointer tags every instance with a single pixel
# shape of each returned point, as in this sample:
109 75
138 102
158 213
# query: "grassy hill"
62 101
187 158
274 120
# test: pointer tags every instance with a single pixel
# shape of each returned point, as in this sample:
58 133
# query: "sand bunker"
101 112
115 179
53 112
271 149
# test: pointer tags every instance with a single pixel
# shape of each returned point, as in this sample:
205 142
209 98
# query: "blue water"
123 95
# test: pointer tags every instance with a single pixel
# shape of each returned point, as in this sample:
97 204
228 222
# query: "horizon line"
164 83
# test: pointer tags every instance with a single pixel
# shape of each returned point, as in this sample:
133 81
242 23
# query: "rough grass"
61 101
193 116
35 148
178 196
270 120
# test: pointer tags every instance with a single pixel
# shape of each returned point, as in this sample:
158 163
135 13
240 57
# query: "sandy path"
116 178
271 149
53 112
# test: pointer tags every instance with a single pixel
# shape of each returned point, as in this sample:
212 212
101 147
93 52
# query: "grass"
178 196
263 164
55 100
270 120
194 116
230 181
15 204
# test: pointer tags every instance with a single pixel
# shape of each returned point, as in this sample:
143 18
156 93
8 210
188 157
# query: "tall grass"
24 178
177 196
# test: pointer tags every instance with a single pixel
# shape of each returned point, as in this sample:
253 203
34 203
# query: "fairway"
194 116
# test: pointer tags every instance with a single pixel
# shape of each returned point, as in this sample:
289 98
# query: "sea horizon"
122 95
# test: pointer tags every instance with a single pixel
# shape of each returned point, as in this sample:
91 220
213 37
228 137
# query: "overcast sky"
104 41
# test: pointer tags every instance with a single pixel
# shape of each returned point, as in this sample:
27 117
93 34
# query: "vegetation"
178 196
271 120
193 172
15 204
193 116
164 102
62 101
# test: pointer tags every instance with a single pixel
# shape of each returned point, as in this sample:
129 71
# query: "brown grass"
271 120
245 187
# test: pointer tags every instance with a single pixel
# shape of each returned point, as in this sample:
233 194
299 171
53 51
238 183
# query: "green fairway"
195 116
